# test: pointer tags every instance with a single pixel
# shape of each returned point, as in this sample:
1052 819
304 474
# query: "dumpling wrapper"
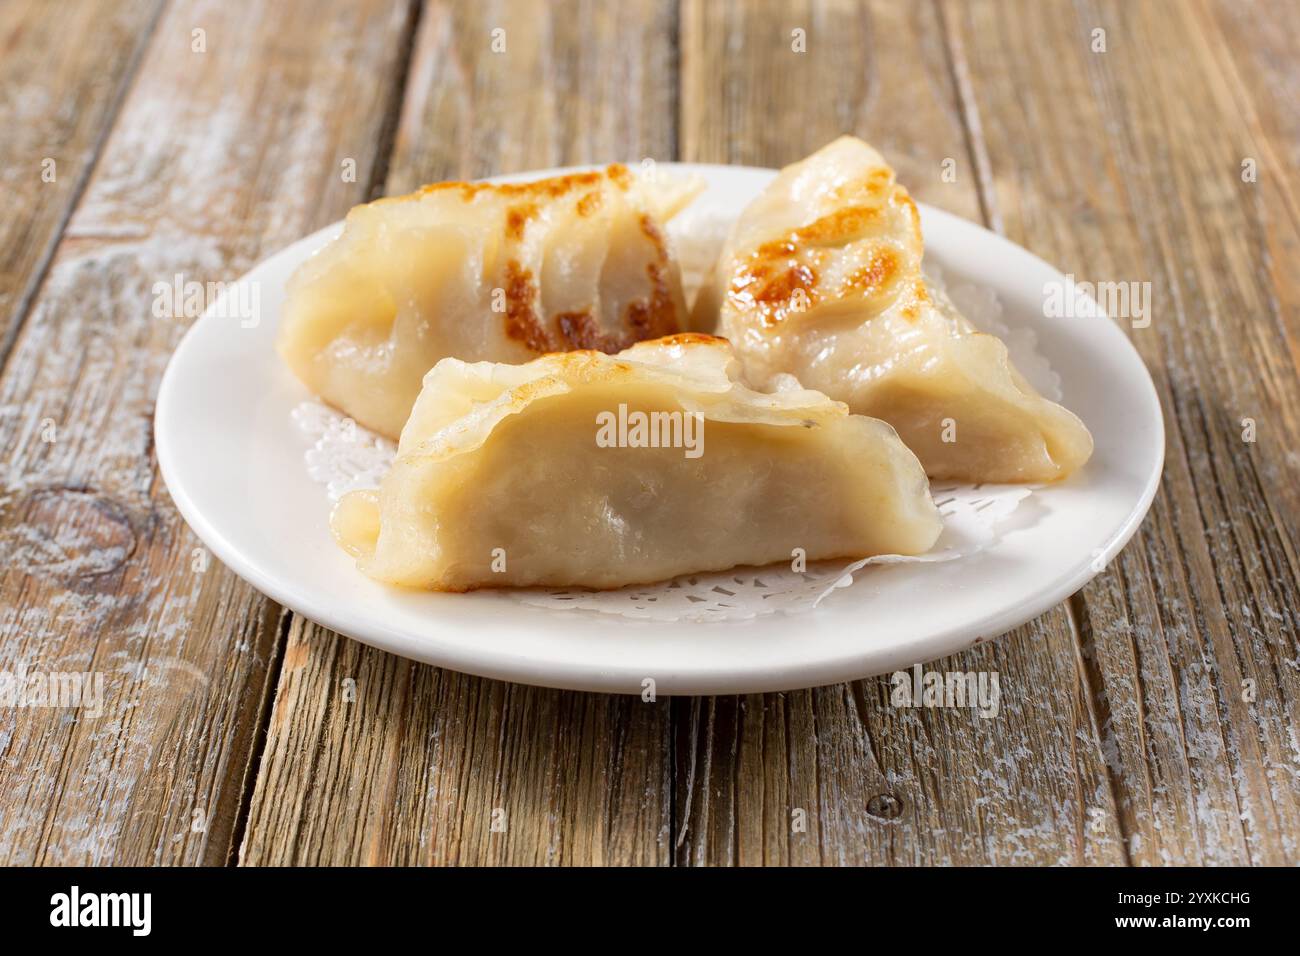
821 278
507 457
482 272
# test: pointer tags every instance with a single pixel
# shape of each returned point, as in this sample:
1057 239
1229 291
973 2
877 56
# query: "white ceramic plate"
233 462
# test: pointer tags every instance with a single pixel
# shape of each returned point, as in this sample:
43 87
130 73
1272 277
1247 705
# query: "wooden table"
1153 718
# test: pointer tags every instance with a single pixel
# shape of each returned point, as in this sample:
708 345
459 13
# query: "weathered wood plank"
422 763
1123 165
1126 165
1255 44
61 77
228 146
877 784
878 70
607 90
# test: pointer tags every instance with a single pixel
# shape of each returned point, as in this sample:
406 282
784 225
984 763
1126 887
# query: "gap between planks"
387 139
39 274
1076 613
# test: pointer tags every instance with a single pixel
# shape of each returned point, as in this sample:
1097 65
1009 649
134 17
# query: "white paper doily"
981 306
970 516
343 456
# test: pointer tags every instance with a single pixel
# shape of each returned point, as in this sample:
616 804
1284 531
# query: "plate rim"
494 663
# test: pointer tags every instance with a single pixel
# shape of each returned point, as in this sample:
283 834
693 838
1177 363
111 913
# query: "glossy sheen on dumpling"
507 457
821 278
481 272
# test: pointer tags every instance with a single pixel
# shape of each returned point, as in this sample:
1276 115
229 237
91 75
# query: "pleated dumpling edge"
820 278
531 475
499 272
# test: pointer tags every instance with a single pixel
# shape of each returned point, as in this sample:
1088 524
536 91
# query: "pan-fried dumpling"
482 272
584 469
821 278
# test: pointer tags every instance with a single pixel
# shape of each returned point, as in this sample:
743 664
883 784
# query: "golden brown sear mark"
774 288
781 276
874 184
774 282
869 279
539 189
581 330
688 338
517 218
652 317
643 319
650 229
840 226
522 322
619 175
783 286
919 294
656 316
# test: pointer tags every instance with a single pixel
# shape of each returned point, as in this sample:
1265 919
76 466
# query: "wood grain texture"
1126 165
876 784
578 81
876 69
61 78
1152 719
411 764
218 156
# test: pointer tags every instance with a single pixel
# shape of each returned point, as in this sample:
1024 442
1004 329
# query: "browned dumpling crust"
482 272
821 279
